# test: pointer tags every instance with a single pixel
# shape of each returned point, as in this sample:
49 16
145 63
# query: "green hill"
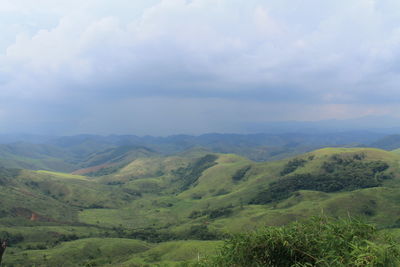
176 208
100 155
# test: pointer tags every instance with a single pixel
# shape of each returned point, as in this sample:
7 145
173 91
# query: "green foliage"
191 173
212 213
241 173
148 234
13 239
7 174
221 192
338 174
318 241
106 171
132 192
67 237
156 235
292 165
143 201
201 232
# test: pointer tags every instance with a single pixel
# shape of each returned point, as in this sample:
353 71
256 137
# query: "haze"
176 66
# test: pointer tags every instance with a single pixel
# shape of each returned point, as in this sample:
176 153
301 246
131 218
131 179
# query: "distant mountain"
112 159
71 153
377 124
34 157
26 138
390 142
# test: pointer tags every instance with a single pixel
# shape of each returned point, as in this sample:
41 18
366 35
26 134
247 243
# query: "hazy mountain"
377 124
390 142
70 153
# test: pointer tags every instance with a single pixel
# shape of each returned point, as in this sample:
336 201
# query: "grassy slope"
55 197
162 206
113 252
35 157
81 252
216 189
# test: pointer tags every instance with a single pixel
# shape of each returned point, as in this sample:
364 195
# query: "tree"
3 246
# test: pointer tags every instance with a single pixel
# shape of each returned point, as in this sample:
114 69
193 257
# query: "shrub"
241 173
212 213
190 174
12 238
292 165
319 241
7 174
221 192
201 232
339 174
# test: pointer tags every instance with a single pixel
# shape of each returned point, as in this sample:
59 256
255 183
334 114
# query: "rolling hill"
94 153
172 209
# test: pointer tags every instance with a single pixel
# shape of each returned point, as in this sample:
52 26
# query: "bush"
241 173
7 174
201 232
12 238
212 213
339 174
190 174
149 234
292 165
318 241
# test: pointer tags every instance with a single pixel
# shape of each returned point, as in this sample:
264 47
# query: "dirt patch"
29 215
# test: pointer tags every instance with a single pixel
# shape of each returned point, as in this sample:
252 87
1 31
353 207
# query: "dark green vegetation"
241 173
190 174
146 209
293 165
319 241
337 174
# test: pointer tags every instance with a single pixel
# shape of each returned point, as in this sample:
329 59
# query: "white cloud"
304 52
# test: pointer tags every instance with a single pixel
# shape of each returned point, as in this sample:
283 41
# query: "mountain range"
148 201
71 153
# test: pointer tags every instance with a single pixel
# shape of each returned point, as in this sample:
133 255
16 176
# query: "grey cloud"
308 55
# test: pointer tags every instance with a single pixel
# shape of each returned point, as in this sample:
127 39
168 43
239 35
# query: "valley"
143 208
199 133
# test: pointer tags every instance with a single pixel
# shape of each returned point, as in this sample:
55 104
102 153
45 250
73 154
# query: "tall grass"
319 241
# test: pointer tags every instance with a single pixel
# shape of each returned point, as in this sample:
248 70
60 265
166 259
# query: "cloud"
92 57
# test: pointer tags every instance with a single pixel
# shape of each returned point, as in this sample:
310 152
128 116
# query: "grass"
83 252
319 241
62 175
90 207
176 252
113 252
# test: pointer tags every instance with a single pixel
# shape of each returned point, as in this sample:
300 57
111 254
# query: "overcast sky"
194 66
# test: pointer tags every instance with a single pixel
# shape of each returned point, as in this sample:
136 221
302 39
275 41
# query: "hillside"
34 157
69 159
93 153
155 204
389 142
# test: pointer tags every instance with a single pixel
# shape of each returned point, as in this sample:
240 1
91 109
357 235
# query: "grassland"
168 210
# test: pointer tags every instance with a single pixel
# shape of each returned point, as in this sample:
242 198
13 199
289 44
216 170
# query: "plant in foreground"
319 241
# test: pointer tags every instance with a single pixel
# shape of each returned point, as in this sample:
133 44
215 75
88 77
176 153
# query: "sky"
163 67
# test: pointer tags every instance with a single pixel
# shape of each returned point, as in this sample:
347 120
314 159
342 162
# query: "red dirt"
30 215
